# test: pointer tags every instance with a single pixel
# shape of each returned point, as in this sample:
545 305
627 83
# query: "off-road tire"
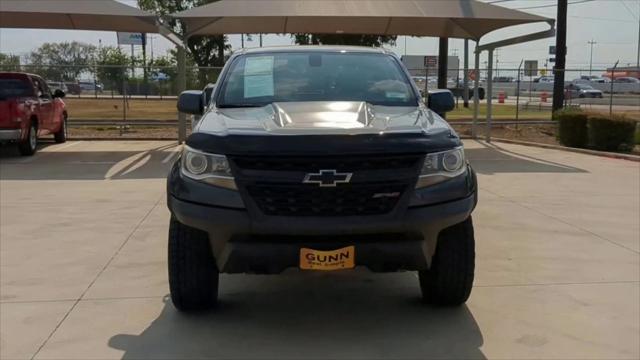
193 275
61 135
449 280
29 146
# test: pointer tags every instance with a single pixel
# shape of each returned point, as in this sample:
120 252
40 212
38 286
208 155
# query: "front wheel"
193 274
28 146
61 135
449 280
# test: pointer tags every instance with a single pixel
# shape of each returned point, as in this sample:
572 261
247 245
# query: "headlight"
441 166
210 168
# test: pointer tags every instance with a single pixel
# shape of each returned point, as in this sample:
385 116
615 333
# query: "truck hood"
322 128
320 118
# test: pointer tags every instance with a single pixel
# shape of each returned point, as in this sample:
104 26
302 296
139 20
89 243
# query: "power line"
629 9
602 19
553 5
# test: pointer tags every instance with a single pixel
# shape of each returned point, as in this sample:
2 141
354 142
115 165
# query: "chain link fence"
122 97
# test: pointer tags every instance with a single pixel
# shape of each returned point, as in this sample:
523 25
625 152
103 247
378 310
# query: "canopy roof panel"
103 15
441 18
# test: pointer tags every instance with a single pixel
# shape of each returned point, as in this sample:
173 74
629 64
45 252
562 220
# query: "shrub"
611 133
572 127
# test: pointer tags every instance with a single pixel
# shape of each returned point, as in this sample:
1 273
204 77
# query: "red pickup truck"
28 110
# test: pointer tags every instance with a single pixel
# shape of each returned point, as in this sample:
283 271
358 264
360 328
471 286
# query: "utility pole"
497 55
405 45
561 56
150 37
638 58
591 57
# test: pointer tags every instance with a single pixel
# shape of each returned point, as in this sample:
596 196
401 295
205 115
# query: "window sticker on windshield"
258 76
395 95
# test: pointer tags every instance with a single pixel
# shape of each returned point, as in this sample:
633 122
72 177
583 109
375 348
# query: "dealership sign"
126 38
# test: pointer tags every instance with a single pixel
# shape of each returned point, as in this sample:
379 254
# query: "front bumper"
241 244
10 134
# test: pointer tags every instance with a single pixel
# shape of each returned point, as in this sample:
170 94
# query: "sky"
612 24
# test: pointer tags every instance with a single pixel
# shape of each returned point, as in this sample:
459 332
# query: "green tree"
112 66
205 50
9 62
62 61
345 39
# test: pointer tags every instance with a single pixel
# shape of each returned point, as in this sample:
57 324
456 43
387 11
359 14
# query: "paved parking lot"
83 269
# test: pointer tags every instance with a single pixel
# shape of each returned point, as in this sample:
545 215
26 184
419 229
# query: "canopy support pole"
489 96
182 85
443 54
443 65
465 76
476 96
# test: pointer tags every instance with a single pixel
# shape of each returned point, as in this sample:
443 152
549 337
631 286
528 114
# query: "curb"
606 154
79 138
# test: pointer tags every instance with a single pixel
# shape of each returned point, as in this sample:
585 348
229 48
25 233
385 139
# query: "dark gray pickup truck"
320 158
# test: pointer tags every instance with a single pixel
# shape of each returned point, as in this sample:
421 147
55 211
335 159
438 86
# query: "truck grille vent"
310 200
351 163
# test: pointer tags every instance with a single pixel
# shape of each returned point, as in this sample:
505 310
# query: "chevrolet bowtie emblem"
327 178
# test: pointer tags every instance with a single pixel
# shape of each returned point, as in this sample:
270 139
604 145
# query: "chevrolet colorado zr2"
320 158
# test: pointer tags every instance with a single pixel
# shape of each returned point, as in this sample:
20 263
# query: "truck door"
45 107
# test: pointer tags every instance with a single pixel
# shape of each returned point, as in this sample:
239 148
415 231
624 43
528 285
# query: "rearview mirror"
58 93
441 101
190 102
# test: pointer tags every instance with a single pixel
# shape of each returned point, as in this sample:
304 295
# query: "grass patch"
500 112
112 109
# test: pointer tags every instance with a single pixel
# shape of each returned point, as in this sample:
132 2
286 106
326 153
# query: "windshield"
260 79
12 88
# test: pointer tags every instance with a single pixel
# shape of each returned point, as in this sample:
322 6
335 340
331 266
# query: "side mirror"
441 101
208 93
190 102
58 94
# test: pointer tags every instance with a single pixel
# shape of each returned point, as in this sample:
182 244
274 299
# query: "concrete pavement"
83 269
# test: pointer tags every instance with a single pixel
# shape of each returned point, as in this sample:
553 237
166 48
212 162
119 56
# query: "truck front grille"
310 200
276 184
340 163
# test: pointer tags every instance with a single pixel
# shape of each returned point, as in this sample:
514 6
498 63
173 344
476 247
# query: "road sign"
431 62
552 60
531 67
552 50
127 38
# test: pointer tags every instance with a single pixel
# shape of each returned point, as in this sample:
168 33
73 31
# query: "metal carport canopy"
468 19
102 15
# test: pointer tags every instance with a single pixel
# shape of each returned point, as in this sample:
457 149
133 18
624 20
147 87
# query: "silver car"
573 91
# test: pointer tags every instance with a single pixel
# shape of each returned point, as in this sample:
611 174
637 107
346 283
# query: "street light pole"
591 58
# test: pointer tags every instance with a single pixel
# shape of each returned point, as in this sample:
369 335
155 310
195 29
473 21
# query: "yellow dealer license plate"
327 260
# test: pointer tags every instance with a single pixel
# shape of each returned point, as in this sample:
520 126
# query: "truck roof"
308 48
16 74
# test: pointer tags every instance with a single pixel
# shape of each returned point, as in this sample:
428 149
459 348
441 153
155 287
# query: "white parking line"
172 154
67 145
